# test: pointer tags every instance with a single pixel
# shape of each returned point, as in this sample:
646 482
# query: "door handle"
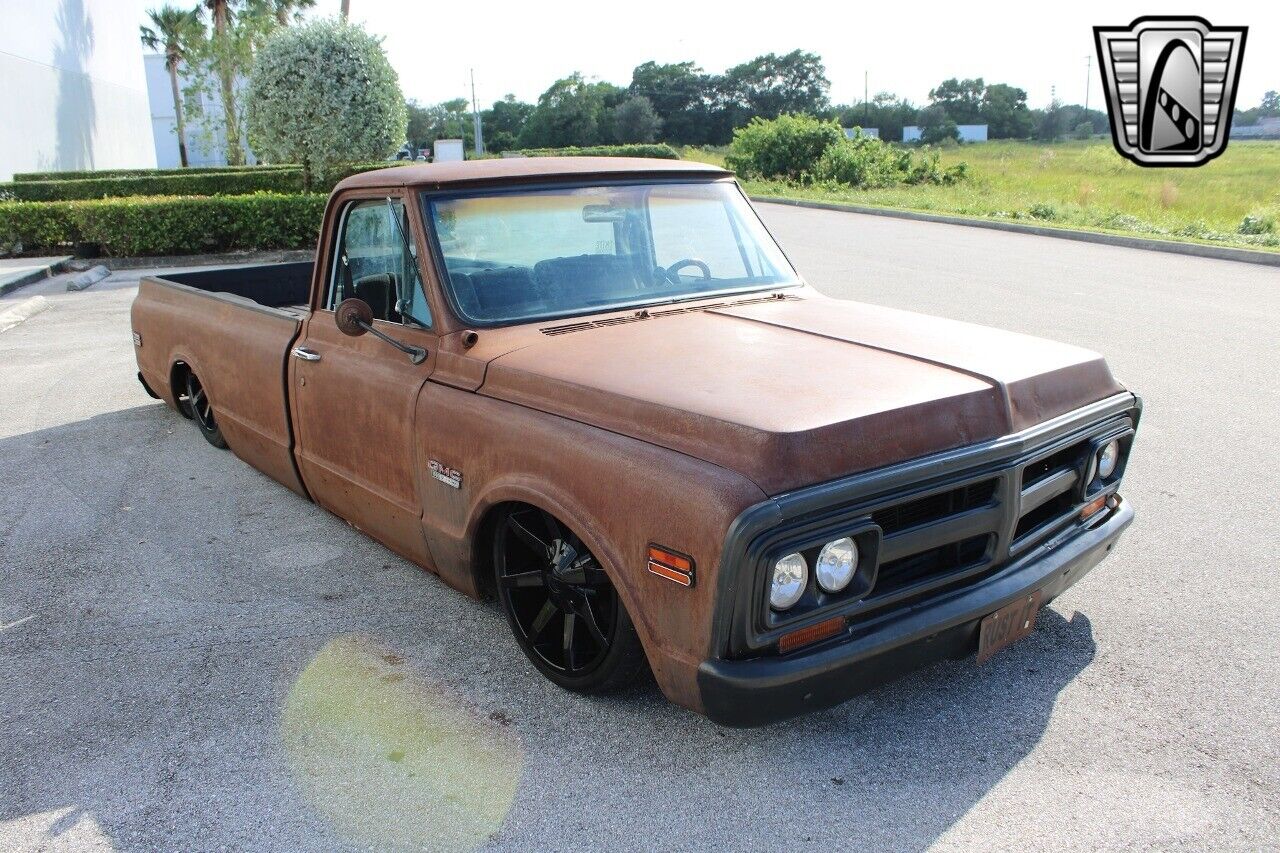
306 354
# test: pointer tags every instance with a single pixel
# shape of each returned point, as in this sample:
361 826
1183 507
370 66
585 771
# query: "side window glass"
371 263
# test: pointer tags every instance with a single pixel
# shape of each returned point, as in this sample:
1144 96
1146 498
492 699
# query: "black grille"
1067 457
1049 510
934 507
900 574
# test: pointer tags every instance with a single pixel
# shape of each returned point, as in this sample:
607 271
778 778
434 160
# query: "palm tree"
173 32
287 9
221 13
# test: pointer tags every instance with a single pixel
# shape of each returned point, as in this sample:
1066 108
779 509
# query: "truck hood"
794 391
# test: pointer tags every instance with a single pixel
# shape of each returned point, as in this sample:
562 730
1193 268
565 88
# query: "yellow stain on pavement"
392 760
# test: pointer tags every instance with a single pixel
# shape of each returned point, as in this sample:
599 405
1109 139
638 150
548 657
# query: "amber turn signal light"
671 565
1093 506
812 634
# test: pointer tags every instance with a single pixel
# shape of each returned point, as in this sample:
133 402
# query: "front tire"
562 607
202 411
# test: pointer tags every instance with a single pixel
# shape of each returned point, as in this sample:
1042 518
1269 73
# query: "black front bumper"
767 689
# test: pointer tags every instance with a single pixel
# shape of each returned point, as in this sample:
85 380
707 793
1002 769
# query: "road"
191 656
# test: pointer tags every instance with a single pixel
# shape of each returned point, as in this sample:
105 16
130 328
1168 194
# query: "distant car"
597 390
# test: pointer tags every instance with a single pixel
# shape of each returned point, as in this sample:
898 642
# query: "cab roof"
515 170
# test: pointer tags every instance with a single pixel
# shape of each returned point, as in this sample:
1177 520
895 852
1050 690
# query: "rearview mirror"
603 213
353 316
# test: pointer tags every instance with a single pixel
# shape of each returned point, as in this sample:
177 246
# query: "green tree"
634 120
1051 122
226 51
285 11
324 94
937 125
681 95
572 112
962 99
1004 111
174 32
771 85
503 123
220 62
886 112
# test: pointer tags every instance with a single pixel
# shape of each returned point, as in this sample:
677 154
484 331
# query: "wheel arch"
566 509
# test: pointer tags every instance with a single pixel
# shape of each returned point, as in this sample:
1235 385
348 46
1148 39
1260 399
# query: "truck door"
353 397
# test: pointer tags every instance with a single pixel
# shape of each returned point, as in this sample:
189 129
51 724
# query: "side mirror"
353 317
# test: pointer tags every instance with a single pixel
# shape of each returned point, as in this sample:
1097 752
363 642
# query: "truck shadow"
193 656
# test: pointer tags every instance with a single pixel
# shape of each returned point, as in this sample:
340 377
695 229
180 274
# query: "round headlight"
790 574
837 561
1108 459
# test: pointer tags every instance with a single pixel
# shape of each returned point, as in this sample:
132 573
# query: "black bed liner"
271 285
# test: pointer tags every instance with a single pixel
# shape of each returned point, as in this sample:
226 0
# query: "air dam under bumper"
764 690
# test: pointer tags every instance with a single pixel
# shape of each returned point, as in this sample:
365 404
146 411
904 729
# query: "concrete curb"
32 277
88 278
225 259
1199 250
22 312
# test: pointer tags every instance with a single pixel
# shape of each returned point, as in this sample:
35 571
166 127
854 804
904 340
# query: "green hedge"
166 225
206 183
142 173
283 179
663 152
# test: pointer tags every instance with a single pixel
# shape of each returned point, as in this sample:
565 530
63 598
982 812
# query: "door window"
372 263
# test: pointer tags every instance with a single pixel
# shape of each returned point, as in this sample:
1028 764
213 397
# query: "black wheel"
564 611
198 402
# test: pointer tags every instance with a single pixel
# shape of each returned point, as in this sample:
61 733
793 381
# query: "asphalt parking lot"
193 657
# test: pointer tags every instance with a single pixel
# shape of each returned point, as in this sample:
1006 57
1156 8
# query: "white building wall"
75 94
968 133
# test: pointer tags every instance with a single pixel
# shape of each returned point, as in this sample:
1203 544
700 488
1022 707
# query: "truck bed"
233 327
271 285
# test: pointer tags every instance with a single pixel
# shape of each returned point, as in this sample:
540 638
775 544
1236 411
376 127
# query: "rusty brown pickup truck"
597 391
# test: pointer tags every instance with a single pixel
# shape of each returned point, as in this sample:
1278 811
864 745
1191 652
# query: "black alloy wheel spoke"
570 622
525 580
540 622
593 627
525 535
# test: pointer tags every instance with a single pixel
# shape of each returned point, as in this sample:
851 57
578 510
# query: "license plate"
1007 625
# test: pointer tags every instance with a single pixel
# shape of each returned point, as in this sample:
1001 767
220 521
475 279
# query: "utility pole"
1088 78
475 115
866 104
346 9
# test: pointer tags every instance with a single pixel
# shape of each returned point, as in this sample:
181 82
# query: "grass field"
1088 185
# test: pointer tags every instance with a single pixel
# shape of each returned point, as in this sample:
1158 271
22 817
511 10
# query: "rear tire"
202 412
563 609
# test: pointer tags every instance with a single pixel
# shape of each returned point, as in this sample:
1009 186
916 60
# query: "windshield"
512 257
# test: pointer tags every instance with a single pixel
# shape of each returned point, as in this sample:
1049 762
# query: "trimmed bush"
661 152
788 147
166 225
323 94
252 179
141 173
205 183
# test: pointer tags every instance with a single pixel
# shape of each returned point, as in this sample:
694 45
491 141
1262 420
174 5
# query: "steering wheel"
675 268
